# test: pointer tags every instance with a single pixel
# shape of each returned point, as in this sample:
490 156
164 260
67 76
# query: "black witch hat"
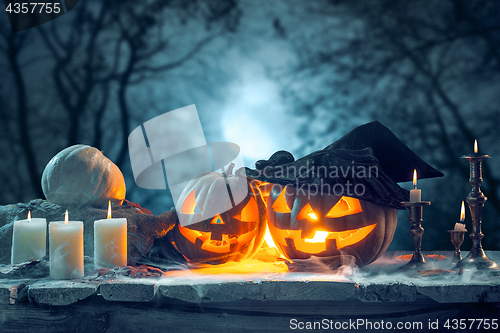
367 163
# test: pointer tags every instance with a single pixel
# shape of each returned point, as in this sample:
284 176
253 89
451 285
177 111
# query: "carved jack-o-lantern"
215 227
327 225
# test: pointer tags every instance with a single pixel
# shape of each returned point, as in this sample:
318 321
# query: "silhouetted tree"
429 70
76 79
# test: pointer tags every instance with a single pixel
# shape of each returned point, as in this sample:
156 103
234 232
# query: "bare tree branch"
15 44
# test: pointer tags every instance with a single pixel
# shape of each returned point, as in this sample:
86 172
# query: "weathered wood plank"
388 292
461 294
96 315
14 290
266 290
60 292
377 283
131 290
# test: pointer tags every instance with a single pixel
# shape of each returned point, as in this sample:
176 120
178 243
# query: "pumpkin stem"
229 170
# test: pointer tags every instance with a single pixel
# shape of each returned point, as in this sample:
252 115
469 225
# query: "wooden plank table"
371 298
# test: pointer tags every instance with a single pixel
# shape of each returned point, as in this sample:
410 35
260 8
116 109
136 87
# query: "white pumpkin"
82 175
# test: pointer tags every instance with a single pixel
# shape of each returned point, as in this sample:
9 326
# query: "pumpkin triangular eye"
189 205
280 205
250 212
307 213
217 220
345 206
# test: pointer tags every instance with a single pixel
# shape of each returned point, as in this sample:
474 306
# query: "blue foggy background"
282 75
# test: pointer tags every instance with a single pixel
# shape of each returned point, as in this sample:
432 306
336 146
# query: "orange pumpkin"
328 225
222 218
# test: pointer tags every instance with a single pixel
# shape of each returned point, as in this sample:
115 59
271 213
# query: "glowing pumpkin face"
327 225
208 231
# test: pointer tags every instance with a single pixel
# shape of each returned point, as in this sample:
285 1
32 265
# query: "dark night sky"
292 75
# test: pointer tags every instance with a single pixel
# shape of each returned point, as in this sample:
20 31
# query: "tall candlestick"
415 194
476 199
28 239
66 249
417 231
110 242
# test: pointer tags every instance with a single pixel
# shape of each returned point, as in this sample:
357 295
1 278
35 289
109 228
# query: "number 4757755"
33 7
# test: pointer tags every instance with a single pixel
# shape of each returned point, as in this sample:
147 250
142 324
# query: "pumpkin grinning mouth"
214 245
318 243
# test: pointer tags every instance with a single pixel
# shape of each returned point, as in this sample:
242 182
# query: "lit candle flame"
415 178
29 215
475 146
109 209
312 216
462 212
66 217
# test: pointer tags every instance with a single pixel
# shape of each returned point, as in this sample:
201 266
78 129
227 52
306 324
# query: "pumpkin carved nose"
217 220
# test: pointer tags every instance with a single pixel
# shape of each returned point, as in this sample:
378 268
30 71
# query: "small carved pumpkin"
328 225
221 218
82 175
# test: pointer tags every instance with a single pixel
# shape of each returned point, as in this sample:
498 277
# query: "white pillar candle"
415 194
110 242
66 249
28 239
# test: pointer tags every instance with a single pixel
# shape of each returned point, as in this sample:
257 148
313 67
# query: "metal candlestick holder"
457 238
416 217
476 257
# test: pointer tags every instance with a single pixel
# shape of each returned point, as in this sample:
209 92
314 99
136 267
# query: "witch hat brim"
396 159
